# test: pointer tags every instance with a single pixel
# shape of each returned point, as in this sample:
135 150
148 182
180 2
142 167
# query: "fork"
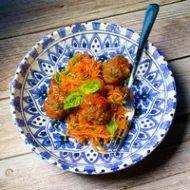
150 17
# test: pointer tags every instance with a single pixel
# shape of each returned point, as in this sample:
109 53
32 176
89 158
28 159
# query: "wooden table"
24 22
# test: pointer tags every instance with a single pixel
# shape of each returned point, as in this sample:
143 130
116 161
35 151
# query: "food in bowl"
89 96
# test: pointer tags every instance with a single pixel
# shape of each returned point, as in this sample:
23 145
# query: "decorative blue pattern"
155 97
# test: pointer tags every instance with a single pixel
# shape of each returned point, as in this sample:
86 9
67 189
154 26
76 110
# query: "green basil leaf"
90 87
57 78
72 75
73 100
112 127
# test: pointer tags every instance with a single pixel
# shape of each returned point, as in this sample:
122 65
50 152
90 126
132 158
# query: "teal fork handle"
150 17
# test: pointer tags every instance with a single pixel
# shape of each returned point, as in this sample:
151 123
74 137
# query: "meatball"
116 70
95 109
53 105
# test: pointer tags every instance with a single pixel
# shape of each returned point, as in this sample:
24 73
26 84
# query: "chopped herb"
115 102
73 61
75 127
57 79
73 121
57 107
65 72
93 129
55 126
83 78
72 75
77 58
121 57
73 124
127 80
113 73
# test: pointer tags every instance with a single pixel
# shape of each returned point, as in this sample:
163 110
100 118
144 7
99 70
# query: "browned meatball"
116 70
53 105
95 109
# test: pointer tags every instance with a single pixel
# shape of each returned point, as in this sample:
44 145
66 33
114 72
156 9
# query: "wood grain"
29 172
179 181
25 16
170 34
181 70
11 143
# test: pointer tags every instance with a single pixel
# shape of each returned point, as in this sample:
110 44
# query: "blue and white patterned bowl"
155 97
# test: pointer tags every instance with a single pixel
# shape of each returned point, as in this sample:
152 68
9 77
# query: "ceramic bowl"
154 88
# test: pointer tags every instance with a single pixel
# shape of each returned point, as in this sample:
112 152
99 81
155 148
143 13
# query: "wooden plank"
179 132
181 70
171 34
164 168
11 143
22 17
11 52
180 181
